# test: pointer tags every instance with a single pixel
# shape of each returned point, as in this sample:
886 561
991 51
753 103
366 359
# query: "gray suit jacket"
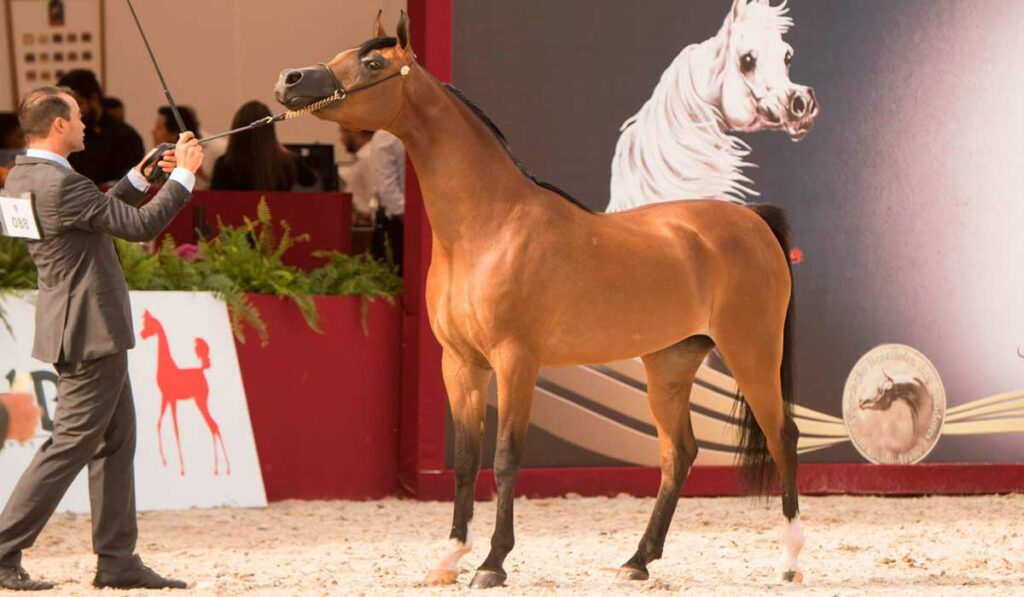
83 311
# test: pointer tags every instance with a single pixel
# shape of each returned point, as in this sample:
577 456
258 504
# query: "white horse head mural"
678 147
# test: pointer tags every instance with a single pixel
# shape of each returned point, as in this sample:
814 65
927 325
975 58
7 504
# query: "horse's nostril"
798 106
293 78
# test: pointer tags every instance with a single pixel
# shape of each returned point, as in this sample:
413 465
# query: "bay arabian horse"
522 277
177 384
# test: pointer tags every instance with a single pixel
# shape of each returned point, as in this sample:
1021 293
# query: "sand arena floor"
572 546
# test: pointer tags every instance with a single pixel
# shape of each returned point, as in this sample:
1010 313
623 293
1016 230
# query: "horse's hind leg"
670 375
517 375
755 364
467 394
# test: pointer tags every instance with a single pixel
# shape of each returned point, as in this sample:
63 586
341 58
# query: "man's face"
71 132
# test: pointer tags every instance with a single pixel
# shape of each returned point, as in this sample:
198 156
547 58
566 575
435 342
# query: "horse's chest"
463 313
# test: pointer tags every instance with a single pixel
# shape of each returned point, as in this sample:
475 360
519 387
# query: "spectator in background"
387 165
165 130
377 184
114 108
12 142
11 135
355 179
112 147
256 161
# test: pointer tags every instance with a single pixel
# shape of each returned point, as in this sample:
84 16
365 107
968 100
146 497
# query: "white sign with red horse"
195 443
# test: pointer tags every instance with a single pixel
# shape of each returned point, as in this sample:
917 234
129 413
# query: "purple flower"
188 252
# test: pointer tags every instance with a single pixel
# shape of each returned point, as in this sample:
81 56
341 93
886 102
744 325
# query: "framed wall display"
50 37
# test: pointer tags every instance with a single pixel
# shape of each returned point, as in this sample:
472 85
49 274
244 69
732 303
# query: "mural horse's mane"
676 146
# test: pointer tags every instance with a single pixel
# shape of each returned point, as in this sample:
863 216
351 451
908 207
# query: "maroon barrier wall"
325 217
324 407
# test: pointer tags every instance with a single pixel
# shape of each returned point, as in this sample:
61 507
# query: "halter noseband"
340 93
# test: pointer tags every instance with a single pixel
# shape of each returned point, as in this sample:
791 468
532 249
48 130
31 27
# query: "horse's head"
370 79
903 387
149 325
884 394
756 93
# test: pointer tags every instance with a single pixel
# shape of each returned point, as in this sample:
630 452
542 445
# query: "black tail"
757 473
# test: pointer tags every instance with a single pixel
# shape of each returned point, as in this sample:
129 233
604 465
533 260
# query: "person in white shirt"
377 184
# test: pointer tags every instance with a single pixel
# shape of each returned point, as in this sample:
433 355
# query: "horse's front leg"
517 375
467 394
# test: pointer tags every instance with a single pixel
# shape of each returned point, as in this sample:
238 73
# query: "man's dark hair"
112 103
83 82
8 124
188 116
40 108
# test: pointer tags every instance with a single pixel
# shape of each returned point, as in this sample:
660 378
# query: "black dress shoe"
135 575
14 578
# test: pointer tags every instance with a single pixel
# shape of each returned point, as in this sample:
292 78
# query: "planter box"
326 217
324 407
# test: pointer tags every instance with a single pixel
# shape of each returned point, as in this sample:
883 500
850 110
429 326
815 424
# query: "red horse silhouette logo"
177 384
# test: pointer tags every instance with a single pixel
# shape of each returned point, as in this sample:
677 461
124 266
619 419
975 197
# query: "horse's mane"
676 146
504 144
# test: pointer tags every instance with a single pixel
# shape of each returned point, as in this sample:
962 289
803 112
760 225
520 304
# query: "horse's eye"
789 58
747 62
374 64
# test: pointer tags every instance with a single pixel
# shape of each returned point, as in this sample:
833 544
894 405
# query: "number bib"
18 217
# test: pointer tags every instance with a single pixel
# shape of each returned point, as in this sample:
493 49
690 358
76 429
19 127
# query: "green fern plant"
17 272
249 259
241 259
165 270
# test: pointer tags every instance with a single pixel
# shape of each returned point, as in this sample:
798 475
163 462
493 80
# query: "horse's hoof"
630 573
793 576
442 577
487 579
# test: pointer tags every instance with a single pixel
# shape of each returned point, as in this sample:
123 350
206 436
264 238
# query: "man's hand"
23 416
188 153
165 163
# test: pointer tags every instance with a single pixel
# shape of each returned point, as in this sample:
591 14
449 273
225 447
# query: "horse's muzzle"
297 88
801 110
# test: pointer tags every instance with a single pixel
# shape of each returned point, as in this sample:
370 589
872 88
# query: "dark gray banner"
903 198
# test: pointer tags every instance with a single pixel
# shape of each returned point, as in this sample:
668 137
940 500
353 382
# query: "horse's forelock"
762 13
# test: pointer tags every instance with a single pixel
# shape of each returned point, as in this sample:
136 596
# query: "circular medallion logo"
894 405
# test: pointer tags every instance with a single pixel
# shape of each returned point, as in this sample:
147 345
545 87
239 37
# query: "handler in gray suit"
84 327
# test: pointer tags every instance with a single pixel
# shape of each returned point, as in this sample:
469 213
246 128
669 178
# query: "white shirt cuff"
184 177
138 181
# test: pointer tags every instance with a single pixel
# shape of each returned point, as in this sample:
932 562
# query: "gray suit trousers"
94 425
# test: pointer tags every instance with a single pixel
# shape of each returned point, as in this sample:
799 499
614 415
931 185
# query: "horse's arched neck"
466 176
714 52
163 346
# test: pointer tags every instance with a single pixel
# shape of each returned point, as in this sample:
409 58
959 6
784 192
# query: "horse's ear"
732 17
378 29
403 31
737 9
